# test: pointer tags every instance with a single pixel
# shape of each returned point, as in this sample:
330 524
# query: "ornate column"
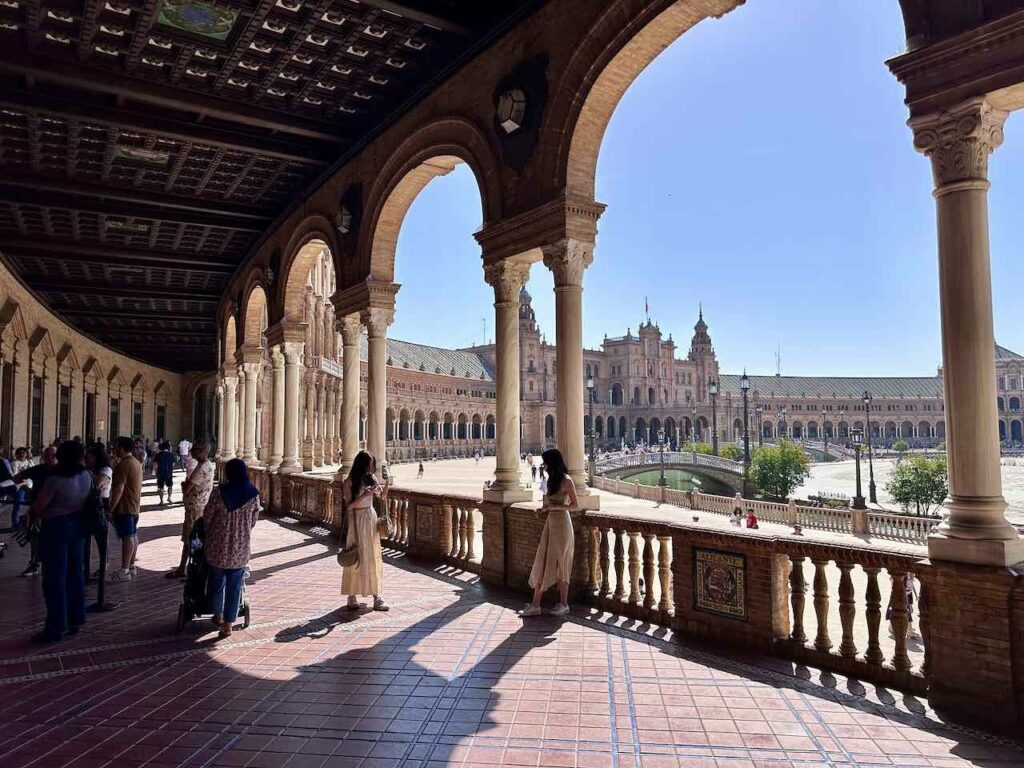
221 399
329 453
277 438
292 351
307 443
252 374
319 441
229 426
351 329
958 142
568 260
336 420
377 319
239 415
507 278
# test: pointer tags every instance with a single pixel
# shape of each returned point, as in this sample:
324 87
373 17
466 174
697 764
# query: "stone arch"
434 150
549 427
303 253
477 427
1016 431
491 427
924 429
737 429
940 429
640 431
230 341
389 424
253 317
403 425
907 429
622 427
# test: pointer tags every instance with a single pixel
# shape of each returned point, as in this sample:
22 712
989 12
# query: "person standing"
164 462
366 577
196 494
553 561
184 451
229 517
59 505
31 480
125 504
98 464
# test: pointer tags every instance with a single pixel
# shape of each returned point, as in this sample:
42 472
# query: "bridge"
717 468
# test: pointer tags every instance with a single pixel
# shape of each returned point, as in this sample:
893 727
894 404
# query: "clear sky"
761 165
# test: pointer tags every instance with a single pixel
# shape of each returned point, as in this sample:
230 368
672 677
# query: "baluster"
900 620
593 534
619 550
452 515
649 602
470 534
605 562
847 611
402 523
665 575
873 614
462 534
634 568
797 586
821 640
923 625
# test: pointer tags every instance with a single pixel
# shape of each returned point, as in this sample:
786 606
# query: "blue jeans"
61 548
225 592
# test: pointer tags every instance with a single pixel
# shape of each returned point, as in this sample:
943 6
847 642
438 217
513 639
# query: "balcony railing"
611 462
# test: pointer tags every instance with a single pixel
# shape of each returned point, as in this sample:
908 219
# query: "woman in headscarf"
230 516
366 577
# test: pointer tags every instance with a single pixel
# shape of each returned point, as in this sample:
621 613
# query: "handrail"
612 462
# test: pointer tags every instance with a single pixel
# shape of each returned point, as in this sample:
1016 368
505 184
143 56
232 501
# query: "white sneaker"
134 571
560 609
120 575
530 610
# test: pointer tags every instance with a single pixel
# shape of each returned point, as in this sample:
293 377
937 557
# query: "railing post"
797 587
470 534
822 642
634 568
649 602
461 512
620 587
793 514
900 621
665 577
847 611
593 553
873 614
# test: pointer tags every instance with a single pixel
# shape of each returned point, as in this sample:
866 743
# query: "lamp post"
871 463
661 443
591 465
693 412
713 390
745 388
760 432
842 415
782 423
824 433
858 500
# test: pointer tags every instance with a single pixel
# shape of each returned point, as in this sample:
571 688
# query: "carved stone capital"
351 328
277 357
252 370
568 260
959 141
293 351
377 320
507 277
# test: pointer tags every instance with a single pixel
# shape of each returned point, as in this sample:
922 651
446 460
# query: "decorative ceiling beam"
409 11
45 69
137 196
160 317
309 153
31 248
126 291
75 201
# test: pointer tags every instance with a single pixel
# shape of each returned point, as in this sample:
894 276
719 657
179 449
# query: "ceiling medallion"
511 110
198 18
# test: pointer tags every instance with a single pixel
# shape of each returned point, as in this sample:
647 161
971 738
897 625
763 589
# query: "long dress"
553 561
367 577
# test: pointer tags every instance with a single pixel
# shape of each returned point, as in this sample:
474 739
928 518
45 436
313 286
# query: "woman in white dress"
365 578
553 562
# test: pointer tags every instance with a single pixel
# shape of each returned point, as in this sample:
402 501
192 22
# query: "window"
90 417
115 418
161 422
64 413
36 420
137 418
6 402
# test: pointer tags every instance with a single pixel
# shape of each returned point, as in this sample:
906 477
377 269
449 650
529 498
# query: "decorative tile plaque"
720 583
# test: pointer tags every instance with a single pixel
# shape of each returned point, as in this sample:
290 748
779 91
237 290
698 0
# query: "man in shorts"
125 503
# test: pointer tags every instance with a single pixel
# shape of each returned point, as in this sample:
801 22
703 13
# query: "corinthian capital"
568 260
959 141
377 320
507 277
350 327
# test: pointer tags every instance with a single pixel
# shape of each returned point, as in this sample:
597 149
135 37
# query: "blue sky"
775 182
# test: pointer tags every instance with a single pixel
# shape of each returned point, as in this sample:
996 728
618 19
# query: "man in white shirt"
196 492
184 447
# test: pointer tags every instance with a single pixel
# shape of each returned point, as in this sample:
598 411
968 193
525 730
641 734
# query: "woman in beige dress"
553 562
366 578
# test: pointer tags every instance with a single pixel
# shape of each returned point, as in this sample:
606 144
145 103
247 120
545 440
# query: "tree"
780 469
941 447
901 447
919 481
730 451
698 448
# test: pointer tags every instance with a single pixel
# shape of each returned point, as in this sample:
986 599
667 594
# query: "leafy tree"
919 481
779 469
901 447
698 448
730 451
941 447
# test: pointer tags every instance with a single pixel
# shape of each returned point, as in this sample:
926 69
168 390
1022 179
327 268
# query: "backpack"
94 518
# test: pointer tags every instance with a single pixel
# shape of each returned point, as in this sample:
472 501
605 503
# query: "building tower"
702 354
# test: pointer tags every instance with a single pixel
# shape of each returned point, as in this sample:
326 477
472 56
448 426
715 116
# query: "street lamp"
858 500
592 463
745 388
871 463
713 390
661 442
782 423
760 432
693 430
824 433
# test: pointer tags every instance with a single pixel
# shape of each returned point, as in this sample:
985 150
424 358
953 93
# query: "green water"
679 480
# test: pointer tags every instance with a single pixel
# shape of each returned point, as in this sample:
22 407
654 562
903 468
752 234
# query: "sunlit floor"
450 676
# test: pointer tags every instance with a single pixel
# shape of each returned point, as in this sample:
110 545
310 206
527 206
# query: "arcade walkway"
450 676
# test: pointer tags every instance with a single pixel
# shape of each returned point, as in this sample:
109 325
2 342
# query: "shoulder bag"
347 557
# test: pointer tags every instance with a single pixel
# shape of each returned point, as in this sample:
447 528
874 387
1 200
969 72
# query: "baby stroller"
195 601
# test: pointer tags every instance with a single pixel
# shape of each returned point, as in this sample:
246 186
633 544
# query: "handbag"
385 528
94 519
347 558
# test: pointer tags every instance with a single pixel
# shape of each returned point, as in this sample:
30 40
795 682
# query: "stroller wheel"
245 615
183 618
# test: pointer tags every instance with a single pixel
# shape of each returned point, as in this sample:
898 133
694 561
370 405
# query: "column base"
275 464
290 468
999 552
508 495
589 500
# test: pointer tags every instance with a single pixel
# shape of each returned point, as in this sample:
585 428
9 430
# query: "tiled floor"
450 676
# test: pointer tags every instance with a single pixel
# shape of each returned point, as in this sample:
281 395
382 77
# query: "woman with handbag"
363 572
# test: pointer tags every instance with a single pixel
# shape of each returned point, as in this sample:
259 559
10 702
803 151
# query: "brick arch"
434 150
313 235
253 308
230 340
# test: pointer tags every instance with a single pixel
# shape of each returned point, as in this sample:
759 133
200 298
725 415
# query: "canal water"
681 480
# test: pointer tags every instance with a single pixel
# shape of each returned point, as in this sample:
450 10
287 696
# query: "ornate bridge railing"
614 462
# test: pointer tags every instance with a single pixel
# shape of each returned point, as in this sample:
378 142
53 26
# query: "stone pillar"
377 320
323 441
507 278
221 399
958 142
252 374
229 427
277 435
307 443
51 390
336 418
292 351
329 453
351 329
568 260
239 415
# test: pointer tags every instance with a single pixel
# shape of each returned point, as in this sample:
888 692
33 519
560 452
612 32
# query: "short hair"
200 445
165 446
124 444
